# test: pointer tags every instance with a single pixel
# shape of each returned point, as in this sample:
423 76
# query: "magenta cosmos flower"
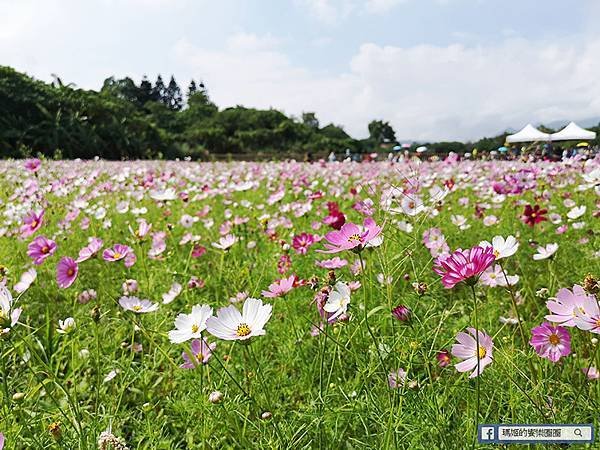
117 253
31 223
200 352
351 237
280 287
463 265
66 272
302 243
550 341
467 350
40 248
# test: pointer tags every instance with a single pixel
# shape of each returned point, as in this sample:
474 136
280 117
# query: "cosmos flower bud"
215 397
95 313
402 313
591 284
18 396
542 293
55 430
266 415
420 288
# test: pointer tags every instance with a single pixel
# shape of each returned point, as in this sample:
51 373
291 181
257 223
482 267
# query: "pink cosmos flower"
302 243
551 341
66 272
333 263
351 237
31 223
280 287
467 350
40 248
33 165
402 313
117 253
201 352
564 305
336 218
463 265
142 230
90 250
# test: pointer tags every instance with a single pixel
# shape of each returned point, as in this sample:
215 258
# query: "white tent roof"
528 134
572 132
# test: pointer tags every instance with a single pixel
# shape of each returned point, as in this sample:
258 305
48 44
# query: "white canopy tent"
572 132
528 134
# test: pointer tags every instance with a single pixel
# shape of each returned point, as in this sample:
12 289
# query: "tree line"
149 120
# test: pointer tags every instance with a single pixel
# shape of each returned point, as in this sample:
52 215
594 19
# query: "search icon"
577 432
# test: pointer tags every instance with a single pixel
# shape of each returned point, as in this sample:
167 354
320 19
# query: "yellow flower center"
70 272
354 238
533 215
45 249
34 224
242 330
554 339
195 328
117 255
496 253
598 323
137 308
199 357
482 352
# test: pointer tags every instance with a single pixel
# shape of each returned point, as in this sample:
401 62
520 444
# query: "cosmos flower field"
164 305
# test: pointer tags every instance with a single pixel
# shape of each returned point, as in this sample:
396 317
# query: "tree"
158 91
381 132
192 89
173 97
145 90
310 120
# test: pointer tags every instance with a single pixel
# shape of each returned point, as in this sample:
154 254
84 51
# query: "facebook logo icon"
487 434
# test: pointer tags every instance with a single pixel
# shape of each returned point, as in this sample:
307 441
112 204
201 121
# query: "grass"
324 391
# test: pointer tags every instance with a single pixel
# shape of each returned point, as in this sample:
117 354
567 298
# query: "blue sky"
436 69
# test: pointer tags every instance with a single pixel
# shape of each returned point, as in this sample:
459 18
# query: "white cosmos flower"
165 195
503 248
460 221
230 324
338 300
172 294
545 252
576 212
26 280
412 205
8 316
66 326
190 326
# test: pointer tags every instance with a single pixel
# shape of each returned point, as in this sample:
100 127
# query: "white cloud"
427 92
381 6
329 11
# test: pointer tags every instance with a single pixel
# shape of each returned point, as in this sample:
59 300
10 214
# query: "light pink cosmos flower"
493 276
33 165
25 281
397 378
41 248
463 265
588 316
231 325
66 272
142 230
117 253
280 287
351 237
31 223
592 373
333 263
565 303
467 350
302 242
551 341
90 250
136 305
201 353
